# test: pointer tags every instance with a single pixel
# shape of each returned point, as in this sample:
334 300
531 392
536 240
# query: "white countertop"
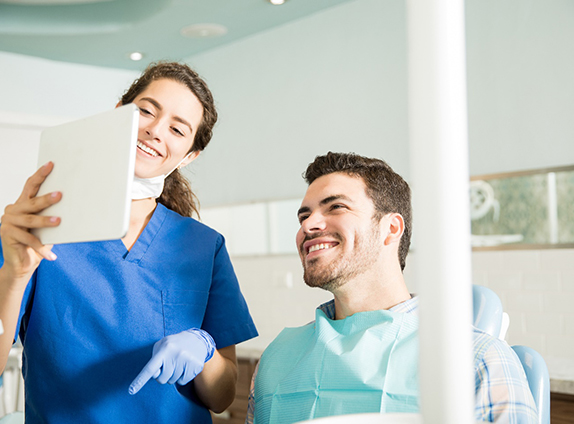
561 372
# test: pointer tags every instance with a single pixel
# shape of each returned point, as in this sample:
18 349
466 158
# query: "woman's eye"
144 111
177 131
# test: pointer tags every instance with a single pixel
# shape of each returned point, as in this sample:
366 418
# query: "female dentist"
98 320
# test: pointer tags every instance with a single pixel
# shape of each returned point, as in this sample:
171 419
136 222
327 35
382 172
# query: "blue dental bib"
367 362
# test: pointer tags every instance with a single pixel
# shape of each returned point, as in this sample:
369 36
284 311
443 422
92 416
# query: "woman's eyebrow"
153 102
175 118
183 121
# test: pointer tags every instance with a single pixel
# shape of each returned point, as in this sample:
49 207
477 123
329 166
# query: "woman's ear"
189 158
395 227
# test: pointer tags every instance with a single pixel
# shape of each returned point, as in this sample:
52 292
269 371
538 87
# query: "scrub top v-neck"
89 321
144 240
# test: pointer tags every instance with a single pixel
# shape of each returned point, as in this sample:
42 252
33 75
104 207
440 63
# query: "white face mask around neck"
145 188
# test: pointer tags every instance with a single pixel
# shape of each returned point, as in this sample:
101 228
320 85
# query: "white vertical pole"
552 208
440 181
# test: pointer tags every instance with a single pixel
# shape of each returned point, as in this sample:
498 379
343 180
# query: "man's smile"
317 245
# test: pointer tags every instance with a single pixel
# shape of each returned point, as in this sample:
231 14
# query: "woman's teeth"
147 149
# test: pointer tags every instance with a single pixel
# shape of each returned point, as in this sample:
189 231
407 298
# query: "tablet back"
94 162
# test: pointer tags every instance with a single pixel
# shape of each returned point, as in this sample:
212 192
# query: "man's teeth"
319 246
147 149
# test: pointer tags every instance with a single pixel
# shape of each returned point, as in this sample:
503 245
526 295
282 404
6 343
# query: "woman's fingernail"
54 194
54 219
52 256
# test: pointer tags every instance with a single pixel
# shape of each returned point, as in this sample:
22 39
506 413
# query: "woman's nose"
153 129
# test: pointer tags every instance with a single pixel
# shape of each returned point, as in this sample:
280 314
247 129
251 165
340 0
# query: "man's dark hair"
387 189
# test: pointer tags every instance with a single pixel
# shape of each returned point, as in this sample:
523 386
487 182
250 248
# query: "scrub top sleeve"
227 316
26 301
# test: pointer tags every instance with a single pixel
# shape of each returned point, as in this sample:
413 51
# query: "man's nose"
313 223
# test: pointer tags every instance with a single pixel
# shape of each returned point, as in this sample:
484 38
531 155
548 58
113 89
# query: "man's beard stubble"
344 268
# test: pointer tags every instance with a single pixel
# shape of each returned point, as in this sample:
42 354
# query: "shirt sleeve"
502 391
251 401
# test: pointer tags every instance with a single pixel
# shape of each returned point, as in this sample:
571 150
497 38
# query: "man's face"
338 239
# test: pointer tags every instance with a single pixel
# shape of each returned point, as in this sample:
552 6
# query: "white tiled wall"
277 296
537 290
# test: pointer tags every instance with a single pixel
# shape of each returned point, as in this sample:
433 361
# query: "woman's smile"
149 151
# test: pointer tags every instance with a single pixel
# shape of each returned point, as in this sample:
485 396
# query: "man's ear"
395 228
190 158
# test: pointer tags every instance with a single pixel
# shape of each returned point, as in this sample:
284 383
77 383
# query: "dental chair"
538 380
489 317
488 314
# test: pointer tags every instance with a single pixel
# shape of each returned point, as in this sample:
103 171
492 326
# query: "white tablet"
94 162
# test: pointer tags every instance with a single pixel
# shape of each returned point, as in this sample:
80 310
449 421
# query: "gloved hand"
176 359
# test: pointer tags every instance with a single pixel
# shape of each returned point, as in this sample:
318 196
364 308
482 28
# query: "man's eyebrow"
324 202
175 118
334 198
303 210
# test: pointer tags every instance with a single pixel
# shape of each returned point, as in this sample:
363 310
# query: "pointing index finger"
148 371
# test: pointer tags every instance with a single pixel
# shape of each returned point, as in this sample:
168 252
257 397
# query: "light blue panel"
283 226
218 218
245 227
249 235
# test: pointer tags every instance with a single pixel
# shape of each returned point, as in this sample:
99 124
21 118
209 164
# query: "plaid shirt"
501 390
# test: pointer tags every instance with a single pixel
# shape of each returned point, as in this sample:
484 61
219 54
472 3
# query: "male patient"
361 352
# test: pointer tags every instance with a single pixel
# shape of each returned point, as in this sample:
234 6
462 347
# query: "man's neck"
370 293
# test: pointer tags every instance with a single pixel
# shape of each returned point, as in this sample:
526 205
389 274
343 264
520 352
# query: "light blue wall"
520 83
336 80
41 87
289 94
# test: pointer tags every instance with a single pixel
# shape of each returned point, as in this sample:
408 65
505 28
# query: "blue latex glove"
176 359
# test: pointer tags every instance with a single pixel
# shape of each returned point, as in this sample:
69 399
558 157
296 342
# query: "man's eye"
337 206
302 218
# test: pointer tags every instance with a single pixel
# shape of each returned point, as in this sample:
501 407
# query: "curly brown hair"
389 192
177 194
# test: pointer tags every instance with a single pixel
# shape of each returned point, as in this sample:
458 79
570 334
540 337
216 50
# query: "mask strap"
180 162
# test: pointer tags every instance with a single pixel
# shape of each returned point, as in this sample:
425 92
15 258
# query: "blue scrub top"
89 321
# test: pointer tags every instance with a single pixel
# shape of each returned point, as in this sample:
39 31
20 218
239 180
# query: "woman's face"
169 117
